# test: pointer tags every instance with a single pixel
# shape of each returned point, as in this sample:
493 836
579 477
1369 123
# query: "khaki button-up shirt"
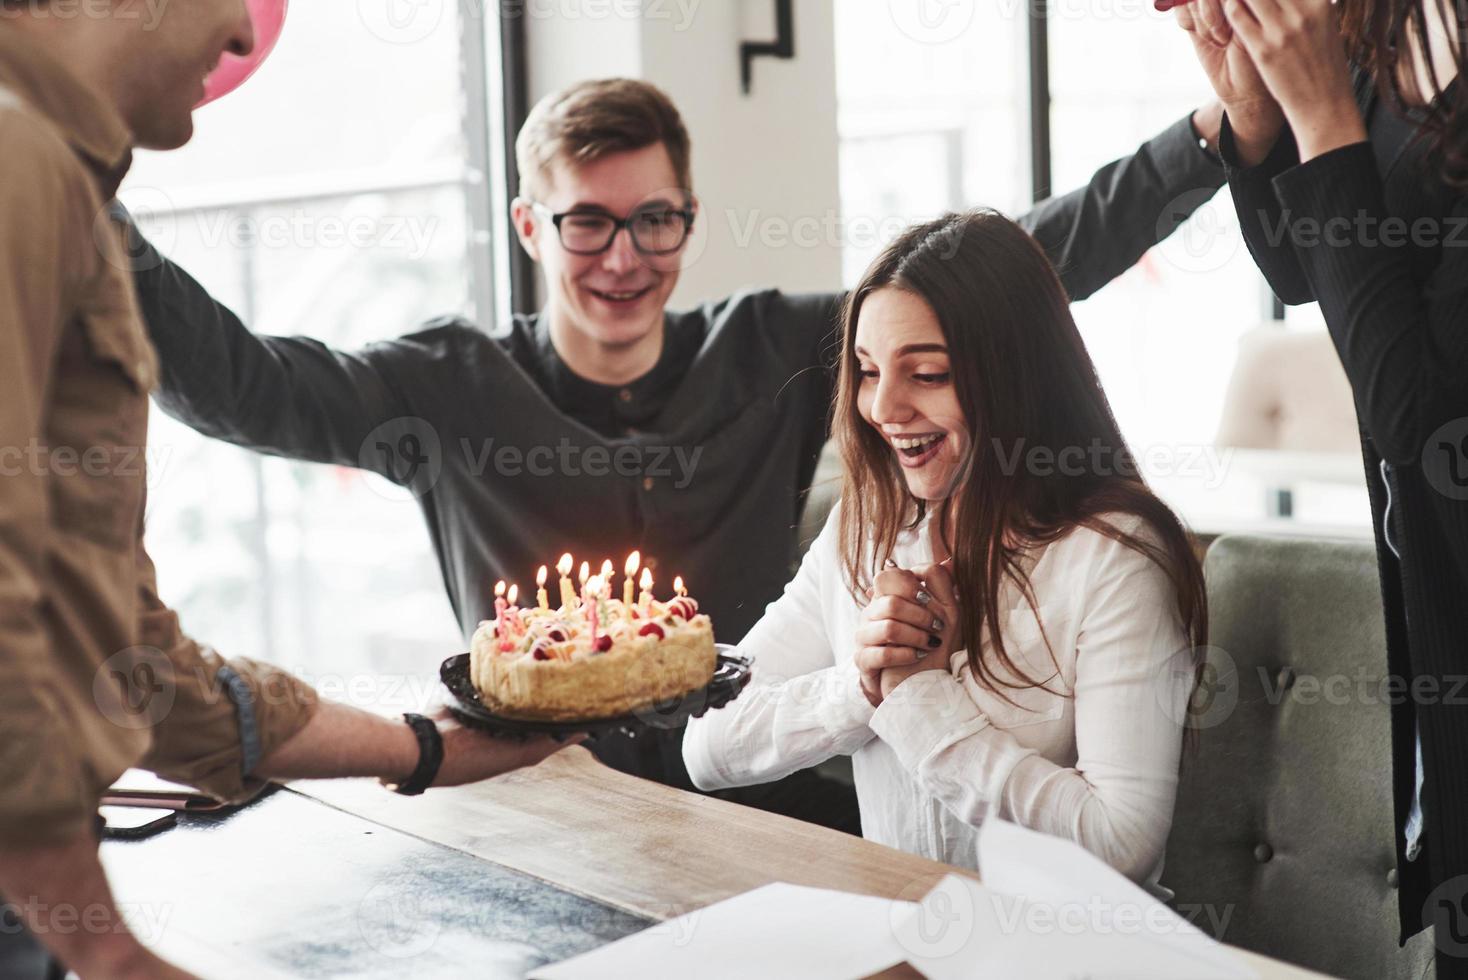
95 673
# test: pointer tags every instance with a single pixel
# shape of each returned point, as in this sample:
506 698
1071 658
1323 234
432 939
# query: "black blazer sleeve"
1403 340
1096 233
1261 217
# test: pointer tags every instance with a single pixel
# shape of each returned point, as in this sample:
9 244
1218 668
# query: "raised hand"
1300 55
1254 114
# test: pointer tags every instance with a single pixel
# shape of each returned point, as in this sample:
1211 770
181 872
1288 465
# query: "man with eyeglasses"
607 422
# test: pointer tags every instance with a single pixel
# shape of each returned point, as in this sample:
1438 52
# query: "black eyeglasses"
654 230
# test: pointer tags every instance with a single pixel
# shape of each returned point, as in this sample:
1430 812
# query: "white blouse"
942 752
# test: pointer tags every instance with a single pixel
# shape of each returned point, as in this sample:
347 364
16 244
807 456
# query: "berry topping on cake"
652 629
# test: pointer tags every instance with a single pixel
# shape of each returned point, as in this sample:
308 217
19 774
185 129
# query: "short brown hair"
590 120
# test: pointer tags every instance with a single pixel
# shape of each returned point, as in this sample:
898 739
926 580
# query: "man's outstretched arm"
289 396
1096 233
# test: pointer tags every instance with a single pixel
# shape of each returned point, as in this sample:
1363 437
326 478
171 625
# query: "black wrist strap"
430 756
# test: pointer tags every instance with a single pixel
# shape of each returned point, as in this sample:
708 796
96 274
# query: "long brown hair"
1376 31
1023 379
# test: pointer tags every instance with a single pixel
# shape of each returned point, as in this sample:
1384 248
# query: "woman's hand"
1253 113
944 608
903 630
1301 57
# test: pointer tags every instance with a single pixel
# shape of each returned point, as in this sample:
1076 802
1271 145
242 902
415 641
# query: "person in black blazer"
1348 164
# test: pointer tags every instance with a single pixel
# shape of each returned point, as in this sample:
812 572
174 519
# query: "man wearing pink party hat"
96 675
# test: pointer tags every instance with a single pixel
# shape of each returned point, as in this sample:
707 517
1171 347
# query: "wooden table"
629 851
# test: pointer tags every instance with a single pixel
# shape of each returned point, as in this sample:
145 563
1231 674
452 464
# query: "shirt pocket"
1011 701
97 433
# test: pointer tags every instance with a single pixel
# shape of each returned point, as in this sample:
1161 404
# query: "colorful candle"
512 599
568 594
590 593
500 621
645 599
541 599
634 560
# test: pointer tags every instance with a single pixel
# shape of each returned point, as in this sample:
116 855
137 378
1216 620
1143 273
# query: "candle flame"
678 585
646 582
514 597
594 584
634 561
606 569
564 565
585 571
540 578
499 590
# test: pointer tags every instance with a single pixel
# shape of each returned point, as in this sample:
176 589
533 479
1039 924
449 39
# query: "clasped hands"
1273 58
910 625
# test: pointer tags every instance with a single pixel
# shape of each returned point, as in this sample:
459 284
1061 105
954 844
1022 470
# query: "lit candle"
645 600
512 599
541 599
568 594
678 586
585 573
634 560
500 621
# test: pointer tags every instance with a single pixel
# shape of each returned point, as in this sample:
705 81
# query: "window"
331 197
934 115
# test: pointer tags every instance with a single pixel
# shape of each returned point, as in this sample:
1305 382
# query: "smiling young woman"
999 618
982 349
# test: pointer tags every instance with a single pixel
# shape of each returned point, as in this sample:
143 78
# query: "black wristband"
430 756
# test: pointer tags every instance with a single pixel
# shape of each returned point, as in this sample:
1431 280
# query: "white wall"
764 165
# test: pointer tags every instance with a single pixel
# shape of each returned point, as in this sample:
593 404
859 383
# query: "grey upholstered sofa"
1283 829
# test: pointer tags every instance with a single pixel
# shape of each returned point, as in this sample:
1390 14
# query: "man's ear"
526 222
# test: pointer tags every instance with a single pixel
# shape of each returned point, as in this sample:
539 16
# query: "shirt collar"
89 123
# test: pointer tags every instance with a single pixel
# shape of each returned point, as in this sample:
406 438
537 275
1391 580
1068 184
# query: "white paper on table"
772 932
1050 910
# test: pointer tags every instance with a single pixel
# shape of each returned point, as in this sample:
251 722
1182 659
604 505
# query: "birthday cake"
595 656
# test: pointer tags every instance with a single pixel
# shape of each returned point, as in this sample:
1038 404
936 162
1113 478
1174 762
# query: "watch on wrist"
430 757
